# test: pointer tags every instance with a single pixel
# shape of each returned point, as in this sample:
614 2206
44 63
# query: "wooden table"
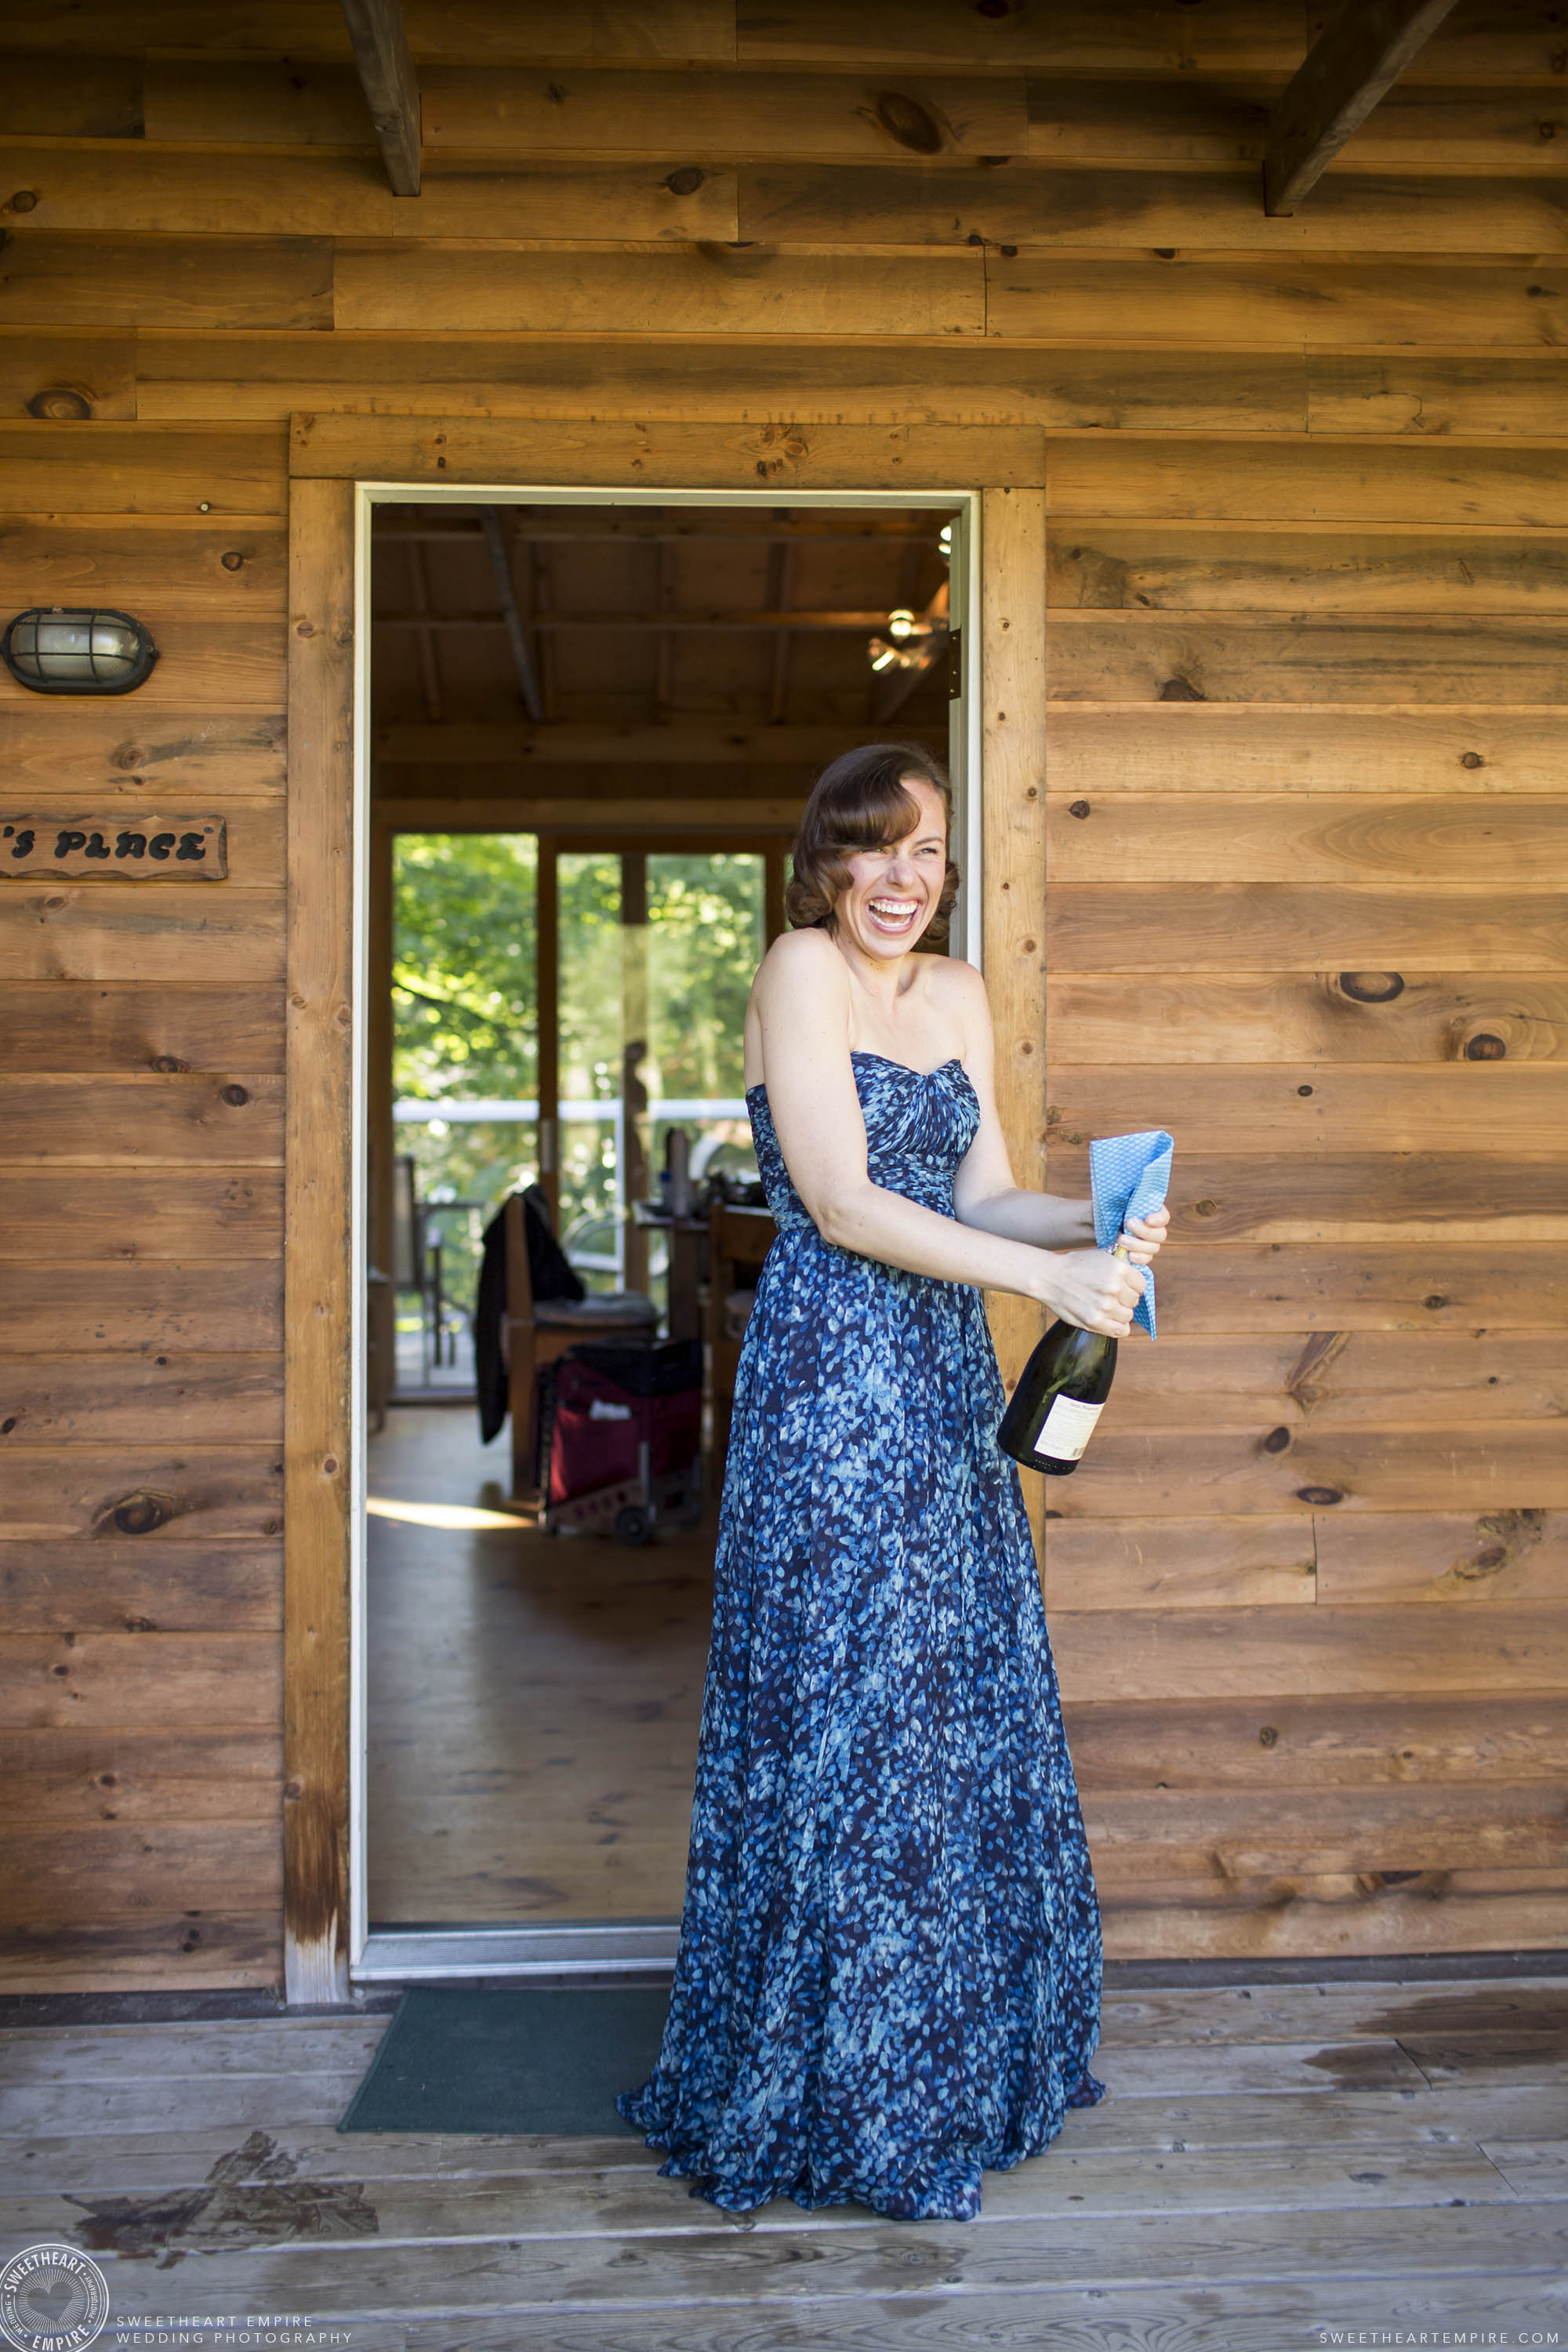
687 1264
740 1239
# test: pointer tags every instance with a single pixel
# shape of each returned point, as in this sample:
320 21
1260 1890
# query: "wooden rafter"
664 600
429 668
391 86
737 823
687 741
498 542
782 557
715 787
1359 55
659 618
539 561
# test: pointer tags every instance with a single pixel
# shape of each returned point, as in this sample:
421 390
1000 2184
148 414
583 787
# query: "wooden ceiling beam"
1358 55
872 618
685 742
590 782
391 88
705 523
548 815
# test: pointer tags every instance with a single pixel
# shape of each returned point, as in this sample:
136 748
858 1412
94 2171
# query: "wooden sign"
156 848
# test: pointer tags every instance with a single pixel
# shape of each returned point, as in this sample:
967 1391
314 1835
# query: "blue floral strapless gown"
889 1965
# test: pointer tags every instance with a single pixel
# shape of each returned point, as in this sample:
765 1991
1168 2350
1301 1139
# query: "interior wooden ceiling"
646 618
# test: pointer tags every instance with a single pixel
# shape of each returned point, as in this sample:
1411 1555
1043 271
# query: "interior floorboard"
534 1699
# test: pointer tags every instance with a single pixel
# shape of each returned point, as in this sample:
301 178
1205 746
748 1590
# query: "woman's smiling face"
893 888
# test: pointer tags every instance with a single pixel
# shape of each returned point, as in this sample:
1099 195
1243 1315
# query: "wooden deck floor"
1277 2167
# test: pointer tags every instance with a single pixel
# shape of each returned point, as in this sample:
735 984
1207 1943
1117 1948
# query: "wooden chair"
416 1260
538 1330
738 1241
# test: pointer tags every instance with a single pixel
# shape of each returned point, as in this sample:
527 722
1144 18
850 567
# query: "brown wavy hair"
860 803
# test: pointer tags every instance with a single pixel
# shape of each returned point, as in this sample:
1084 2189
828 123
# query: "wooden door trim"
1012 688
711 455
331 468
319 1242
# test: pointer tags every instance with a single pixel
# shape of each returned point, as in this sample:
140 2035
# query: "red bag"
600 1405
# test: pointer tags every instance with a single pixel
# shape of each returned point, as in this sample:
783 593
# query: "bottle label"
1066 1430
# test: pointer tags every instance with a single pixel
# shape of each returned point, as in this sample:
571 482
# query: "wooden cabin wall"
1308 580
1305 911
141 1239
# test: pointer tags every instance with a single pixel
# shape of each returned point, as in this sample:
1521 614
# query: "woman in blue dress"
890 1966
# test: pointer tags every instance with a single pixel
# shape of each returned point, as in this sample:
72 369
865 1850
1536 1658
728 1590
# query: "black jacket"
551 1276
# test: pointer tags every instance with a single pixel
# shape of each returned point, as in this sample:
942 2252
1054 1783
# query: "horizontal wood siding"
141 1182
1339 1480
1306 577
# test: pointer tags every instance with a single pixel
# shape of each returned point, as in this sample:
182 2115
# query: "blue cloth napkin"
1128 1176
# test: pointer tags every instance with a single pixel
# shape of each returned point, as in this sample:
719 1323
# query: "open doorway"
592 724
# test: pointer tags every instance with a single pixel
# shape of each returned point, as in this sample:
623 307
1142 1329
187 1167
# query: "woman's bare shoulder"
801 962
957 981
801 989
956 987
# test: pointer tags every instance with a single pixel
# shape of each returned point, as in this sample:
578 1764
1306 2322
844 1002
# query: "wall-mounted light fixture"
59 650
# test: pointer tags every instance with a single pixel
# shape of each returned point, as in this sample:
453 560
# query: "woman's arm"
984 1192
802 1000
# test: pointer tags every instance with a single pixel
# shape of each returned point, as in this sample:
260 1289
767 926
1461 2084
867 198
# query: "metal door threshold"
405 1955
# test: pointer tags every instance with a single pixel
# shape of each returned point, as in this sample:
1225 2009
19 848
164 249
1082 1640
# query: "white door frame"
566 1948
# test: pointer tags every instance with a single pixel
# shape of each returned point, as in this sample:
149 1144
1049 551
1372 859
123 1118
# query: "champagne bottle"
1059 1398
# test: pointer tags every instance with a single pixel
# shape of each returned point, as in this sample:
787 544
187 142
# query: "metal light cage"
57 650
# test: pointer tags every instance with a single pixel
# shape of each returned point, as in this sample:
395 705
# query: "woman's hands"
1001 1238
1142 1236
1097 1289
1093 1289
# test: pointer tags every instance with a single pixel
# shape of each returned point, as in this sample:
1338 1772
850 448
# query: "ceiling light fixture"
906 644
